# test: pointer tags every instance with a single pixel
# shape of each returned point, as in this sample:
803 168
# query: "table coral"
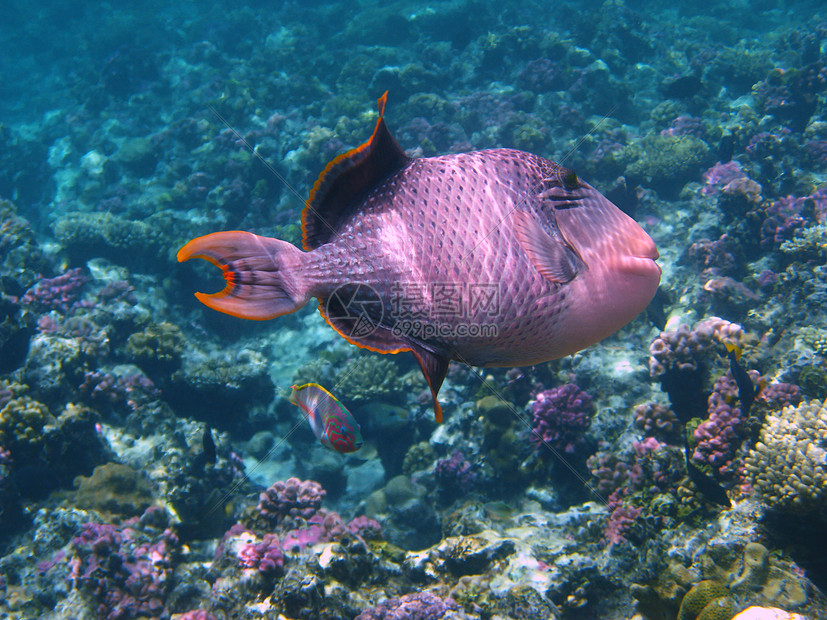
788 465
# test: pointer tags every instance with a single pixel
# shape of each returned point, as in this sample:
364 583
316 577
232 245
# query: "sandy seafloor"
127 130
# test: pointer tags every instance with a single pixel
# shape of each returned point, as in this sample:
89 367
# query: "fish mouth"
641 266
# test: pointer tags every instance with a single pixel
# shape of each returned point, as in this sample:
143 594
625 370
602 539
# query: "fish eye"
570 181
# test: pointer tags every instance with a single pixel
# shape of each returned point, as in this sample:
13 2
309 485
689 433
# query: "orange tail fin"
261 274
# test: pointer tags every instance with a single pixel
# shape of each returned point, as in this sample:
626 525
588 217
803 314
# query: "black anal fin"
434 367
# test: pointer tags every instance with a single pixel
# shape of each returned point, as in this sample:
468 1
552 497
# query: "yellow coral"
159 346
698 597
22 421
787 464
722 608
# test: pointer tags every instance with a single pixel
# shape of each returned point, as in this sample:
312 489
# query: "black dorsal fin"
347 178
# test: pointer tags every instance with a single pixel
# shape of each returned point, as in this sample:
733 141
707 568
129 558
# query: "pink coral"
126 568
720 175
324 526
60 293
291 499
620 521
415 606
719 437
684 349
365 528
264 555
657 420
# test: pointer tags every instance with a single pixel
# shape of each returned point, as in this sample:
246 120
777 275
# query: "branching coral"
291 499
686 349
562 415
788 465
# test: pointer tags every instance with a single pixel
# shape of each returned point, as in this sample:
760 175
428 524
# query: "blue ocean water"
151 462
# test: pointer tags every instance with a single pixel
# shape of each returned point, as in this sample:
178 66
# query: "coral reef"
561 417
158 348
454 476
149 463
119 239
787 465
290 499
416 606
368 378
665 162
126 570
114 489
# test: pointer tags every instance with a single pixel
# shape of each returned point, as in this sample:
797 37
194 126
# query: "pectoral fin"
553 258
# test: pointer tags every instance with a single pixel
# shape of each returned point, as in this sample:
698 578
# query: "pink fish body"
491 258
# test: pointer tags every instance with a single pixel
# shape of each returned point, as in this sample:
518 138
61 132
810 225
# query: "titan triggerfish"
491 258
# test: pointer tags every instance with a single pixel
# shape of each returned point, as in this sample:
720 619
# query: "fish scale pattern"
436 240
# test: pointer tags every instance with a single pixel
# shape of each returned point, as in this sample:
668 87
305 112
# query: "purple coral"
365 528
779 395
128 391
788 214
684 349
562 415
721 257
684 125
656 420
60 293
719 437
542 75
621 519
455 475
291 499
264 555
720 175
783 219
125 569
415 606
324 526
650 465
196 614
